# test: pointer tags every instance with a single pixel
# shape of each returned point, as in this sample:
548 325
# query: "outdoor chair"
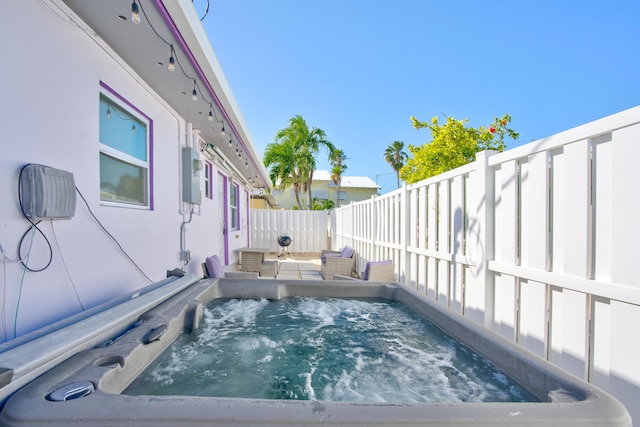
212 268
337 262
375 271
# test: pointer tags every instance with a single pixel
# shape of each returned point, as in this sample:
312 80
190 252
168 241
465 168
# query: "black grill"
284 242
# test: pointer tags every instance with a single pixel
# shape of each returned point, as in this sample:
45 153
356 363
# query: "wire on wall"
34 227
73 285
24 272
111 236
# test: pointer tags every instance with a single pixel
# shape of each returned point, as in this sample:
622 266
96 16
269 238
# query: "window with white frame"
124 155
208 180
234 205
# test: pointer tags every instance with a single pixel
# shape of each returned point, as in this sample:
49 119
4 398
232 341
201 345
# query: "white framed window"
234 205
208 180
124 154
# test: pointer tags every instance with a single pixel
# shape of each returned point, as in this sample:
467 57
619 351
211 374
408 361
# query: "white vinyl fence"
537 243
307 229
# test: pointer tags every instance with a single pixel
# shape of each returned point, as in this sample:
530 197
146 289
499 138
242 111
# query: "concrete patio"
293 266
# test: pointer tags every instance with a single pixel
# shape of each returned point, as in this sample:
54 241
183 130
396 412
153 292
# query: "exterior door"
222 198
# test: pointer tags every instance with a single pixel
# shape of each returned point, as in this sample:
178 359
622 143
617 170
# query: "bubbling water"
323 349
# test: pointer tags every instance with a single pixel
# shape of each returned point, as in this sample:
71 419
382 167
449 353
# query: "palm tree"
304 144
337 159
396 157
279 157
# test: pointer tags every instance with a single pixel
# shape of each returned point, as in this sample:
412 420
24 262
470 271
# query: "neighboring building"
89 92
352 189
260 199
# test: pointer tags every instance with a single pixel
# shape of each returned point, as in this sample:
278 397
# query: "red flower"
492 129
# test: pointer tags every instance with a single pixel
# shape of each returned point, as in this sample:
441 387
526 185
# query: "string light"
172 60
135 12
108 112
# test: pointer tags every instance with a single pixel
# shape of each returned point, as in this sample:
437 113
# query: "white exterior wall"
49 115
544 254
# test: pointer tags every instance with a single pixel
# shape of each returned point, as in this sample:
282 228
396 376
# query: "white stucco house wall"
159 184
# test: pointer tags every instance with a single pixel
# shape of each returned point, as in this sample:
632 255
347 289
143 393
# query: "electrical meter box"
191 167
47 193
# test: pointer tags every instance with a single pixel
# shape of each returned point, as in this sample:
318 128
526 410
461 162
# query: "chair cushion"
365 275
347 252
214 267
330 254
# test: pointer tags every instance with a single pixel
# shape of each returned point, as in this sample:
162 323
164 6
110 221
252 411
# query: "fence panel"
537 243
308 230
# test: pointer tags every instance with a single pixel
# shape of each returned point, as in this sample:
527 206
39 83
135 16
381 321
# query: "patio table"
251 258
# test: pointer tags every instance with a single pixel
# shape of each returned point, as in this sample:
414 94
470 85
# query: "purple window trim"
122 99
246 198
225 202
209 178
174 29
237 206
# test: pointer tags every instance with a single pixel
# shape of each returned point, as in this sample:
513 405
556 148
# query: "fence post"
373 226
405 229
485 215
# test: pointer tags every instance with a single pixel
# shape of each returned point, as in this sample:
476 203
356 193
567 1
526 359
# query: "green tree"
396 157
279 158
454 144
291 158
337 159
322 205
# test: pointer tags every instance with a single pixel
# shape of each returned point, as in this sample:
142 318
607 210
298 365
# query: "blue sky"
359 69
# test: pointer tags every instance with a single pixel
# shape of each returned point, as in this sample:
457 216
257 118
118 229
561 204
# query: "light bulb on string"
230 143
172 60
210 113
108 112
133 128
222 131
135 12
194 93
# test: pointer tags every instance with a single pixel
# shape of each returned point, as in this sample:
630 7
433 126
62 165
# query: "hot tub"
87 388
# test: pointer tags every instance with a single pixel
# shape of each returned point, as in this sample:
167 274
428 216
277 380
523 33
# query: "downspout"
185 255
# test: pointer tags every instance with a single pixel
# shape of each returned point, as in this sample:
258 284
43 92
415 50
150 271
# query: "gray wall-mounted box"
191 166
47 193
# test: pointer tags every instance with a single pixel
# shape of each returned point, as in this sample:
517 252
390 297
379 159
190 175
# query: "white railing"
537 243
